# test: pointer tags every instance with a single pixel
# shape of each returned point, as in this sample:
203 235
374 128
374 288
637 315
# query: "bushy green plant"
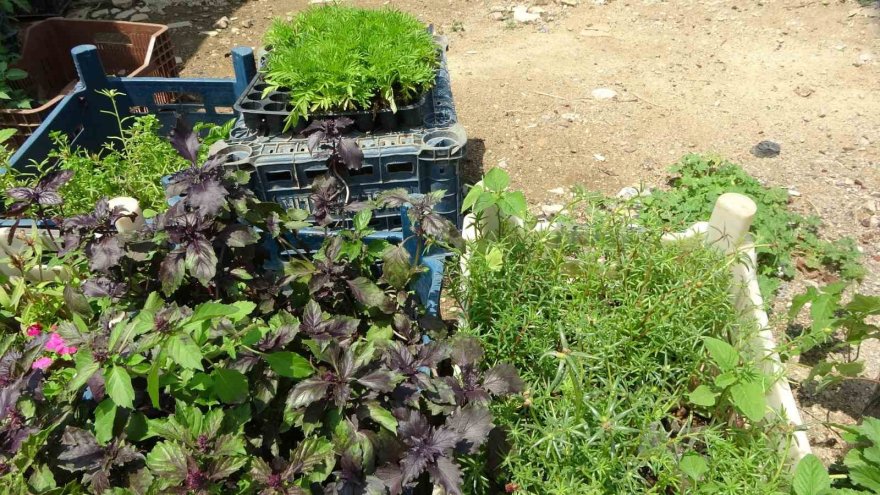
337 58
192 360
11 97
131 164
614 334
783 236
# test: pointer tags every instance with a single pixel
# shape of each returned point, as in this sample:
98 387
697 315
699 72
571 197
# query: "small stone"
536 10
314 2
235 30
180 24
604 93
521 14
115 11
558 190
125 14
144 10
865 58
497 16
498 8
222 23
247 23
794 192
502 163
628 193
570 3
803 91
571 117
209 33
178 60
551 210
766 149
600 2
139 18
597 156
97 14
123 4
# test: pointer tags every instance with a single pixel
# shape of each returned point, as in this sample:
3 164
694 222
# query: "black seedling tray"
269 115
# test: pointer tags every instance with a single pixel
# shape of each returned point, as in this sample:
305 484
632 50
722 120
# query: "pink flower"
42 363
55 343
34 330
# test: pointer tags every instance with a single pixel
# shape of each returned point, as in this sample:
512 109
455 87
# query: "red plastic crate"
126 49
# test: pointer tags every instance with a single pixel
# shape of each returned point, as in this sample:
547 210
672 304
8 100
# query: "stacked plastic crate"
420 148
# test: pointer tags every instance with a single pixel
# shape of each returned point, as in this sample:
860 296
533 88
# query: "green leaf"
382 416
118 385
5 134
367 293
230 386
15 74
153 381
513 204
289 364
484 200
850 369
822 312
693 465
471 199
810 477
868 305
168 460
86 366
702 396
725 380
397 268
494 259
211 310
183 350
496 180
749 398
362 220
722 353
42 479
105 416
379 334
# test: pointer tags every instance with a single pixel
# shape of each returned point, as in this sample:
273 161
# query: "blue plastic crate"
419 161
82 114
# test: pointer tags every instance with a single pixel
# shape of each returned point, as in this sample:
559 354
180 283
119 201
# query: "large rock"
123 4
521 14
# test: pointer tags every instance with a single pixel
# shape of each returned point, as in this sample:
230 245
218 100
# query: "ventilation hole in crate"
279 176
315 172
400 167
224 110
364 170
114 38
185 97
138 110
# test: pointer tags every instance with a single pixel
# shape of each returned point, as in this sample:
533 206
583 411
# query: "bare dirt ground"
690 76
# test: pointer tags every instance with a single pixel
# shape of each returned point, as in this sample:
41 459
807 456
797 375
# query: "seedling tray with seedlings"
376 67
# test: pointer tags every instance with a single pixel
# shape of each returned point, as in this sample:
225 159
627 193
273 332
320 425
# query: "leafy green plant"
336 58
191 358
784 239
11 97
132 164
862 464
612 330
842 326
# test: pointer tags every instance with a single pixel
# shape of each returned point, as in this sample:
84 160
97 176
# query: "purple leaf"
49 198
368 293
502 380
394 198
96 386
104 253
185 141
351 154
314 140
307 392
379 380
392 476
473 424
171 270
104 287
20 193
207 197
54 180
466 351
446 474
82 452
201 261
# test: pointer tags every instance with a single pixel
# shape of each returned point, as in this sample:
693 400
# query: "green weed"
783 236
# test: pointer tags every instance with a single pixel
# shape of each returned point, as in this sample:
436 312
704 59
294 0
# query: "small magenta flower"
34 330
42 364
57 344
